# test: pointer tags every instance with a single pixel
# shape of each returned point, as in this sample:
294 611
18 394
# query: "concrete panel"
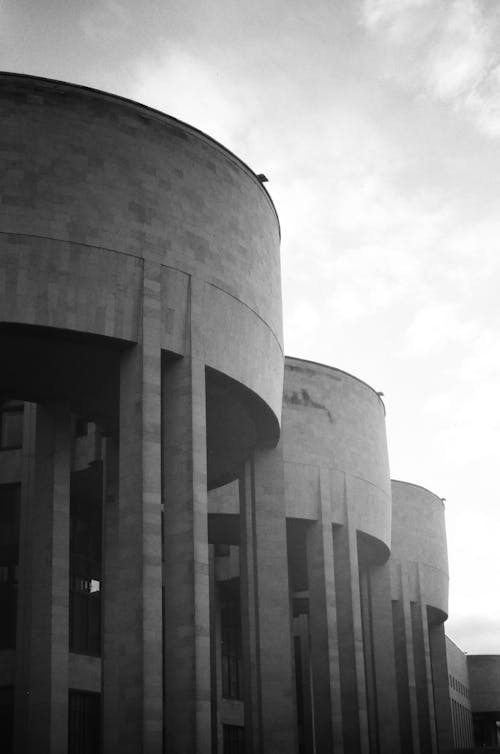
484 679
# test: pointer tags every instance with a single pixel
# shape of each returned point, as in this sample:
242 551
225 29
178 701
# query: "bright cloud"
446 49
105 20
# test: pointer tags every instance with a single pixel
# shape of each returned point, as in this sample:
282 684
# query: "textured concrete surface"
336 422
140 291
94 186
484 679
457 681
123 224
419 537
419 586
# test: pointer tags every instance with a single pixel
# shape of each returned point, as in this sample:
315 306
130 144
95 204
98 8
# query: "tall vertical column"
24 595
139 528
267 635
327 710
111 614
410 658
249 614
384 659
187 615
350 632
42 718
304 681
444 727
369 656
423 670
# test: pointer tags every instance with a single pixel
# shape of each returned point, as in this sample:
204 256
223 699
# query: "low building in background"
201 550
460 696
484 680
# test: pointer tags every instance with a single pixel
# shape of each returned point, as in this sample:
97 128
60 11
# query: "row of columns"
422 674
161 455
352 665
156 456
352 669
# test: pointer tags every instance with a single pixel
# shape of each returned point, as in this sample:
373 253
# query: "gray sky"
378 125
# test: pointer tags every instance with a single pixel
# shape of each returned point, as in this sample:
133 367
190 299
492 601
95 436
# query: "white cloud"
447 50
105 20
437 327
191 88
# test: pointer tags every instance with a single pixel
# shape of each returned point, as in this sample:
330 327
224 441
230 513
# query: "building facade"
484 683
460 698
201 548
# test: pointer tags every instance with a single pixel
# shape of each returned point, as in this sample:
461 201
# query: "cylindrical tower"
140 314
338 502
419 574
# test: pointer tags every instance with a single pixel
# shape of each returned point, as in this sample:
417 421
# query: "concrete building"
200 546
461 710
484 681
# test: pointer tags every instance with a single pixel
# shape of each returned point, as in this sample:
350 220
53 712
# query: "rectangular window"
231 650
84 723
9 559
85 560
11 425
233 739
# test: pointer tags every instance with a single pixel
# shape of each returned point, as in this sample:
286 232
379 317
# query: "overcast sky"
377 123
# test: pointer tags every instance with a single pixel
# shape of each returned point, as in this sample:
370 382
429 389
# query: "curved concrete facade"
419 585
140 295
419 537
335 423
105 202
174 575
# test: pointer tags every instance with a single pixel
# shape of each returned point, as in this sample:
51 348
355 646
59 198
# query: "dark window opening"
9 559
233 739
84 723
231 649
85 560
11 425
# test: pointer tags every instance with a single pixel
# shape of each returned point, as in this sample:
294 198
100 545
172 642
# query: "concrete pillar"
423 671
368 651
249 614
187 619
384 659
304 678
42 720
410 658
110 605
139 529
350 633
25 570
215 657
270 693
327 709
